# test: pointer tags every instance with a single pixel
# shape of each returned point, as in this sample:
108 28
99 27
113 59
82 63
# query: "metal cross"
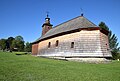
47 14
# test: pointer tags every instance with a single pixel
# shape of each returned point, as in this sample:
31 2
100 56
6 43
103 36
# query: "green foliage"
9 42
104 26
114 46
19 38
19 45
27 68
28 47
14 44
3 44
115 54
113 41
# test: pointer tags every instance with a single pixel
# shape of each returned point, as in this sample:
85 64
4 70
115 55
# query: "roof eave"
68 32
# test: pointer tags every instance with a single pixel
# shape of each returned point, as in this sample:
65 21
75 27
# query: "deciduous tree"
3 44
18 43
28 47
9 43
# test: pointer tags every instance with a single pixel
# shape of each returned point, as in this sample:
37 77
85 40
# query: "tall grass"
28 68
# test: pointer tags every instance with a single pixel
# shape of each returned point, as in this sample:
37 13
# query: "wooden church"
75 38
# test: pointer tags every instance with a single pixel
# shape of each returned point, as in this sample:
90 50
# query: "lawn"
28 68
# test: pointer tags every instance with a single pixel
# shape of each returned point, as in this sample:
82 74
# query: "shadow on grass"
25 53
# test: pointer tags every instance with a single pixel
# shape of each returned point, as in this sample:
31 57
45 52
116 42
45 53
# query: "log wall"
105 45
86 44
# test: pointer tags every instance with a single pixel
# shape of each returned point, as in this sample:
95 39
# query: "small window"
49 44
48 27
57 42
72 44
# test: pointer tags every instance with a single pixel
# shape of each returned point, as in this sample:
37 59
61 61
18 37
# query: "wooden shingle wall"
105 45
86 44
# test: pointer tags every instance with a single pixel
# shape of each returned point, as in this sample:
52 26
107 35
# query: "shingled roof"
70 25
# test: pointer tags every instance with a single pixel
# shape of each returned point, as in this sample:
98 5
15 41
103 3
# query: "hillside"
28 68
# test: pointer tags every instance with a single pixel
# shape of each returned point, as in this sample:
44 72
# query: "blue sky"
25 17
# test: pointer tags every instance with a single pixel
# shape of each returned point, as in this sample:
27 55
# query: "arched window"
72 44
57 42
49 44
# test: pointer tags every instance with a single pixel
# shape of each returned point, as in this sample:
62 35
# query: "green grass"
28 68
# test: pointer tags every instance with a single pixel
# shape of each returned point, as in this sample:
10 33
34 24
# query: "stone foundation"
87 60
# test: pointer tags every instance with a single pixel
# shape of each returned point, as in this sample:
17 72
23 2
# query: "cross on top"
47 14
81 12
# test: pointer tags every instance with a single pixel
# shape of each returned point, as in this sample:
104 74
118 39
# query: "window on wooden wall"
72 44
57 42
49 44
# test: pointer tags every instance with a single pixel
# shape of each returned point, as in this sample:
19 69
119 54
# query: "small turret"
46 26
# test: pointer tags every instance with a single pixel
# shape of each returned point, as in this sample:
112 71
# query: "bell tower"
46 26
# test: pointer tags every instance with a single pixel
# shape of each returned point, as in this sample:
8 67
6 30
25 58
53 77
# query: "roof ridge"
66 21
69 25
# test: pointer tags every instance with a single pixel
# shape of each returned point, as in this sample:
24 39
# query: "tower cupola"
47 25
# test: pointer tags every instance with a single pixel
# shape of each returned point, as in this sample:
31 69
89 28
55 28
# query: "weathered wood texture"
105 45
35 49
90 43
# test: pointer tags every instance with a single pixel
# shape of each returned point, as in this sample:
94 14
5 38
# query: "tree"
28 47
112 41
9 43
14 45
104 26
19 38
18 43
3 44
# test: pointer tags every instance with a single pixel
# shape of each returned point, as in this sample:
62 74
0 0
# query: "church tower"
46 26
